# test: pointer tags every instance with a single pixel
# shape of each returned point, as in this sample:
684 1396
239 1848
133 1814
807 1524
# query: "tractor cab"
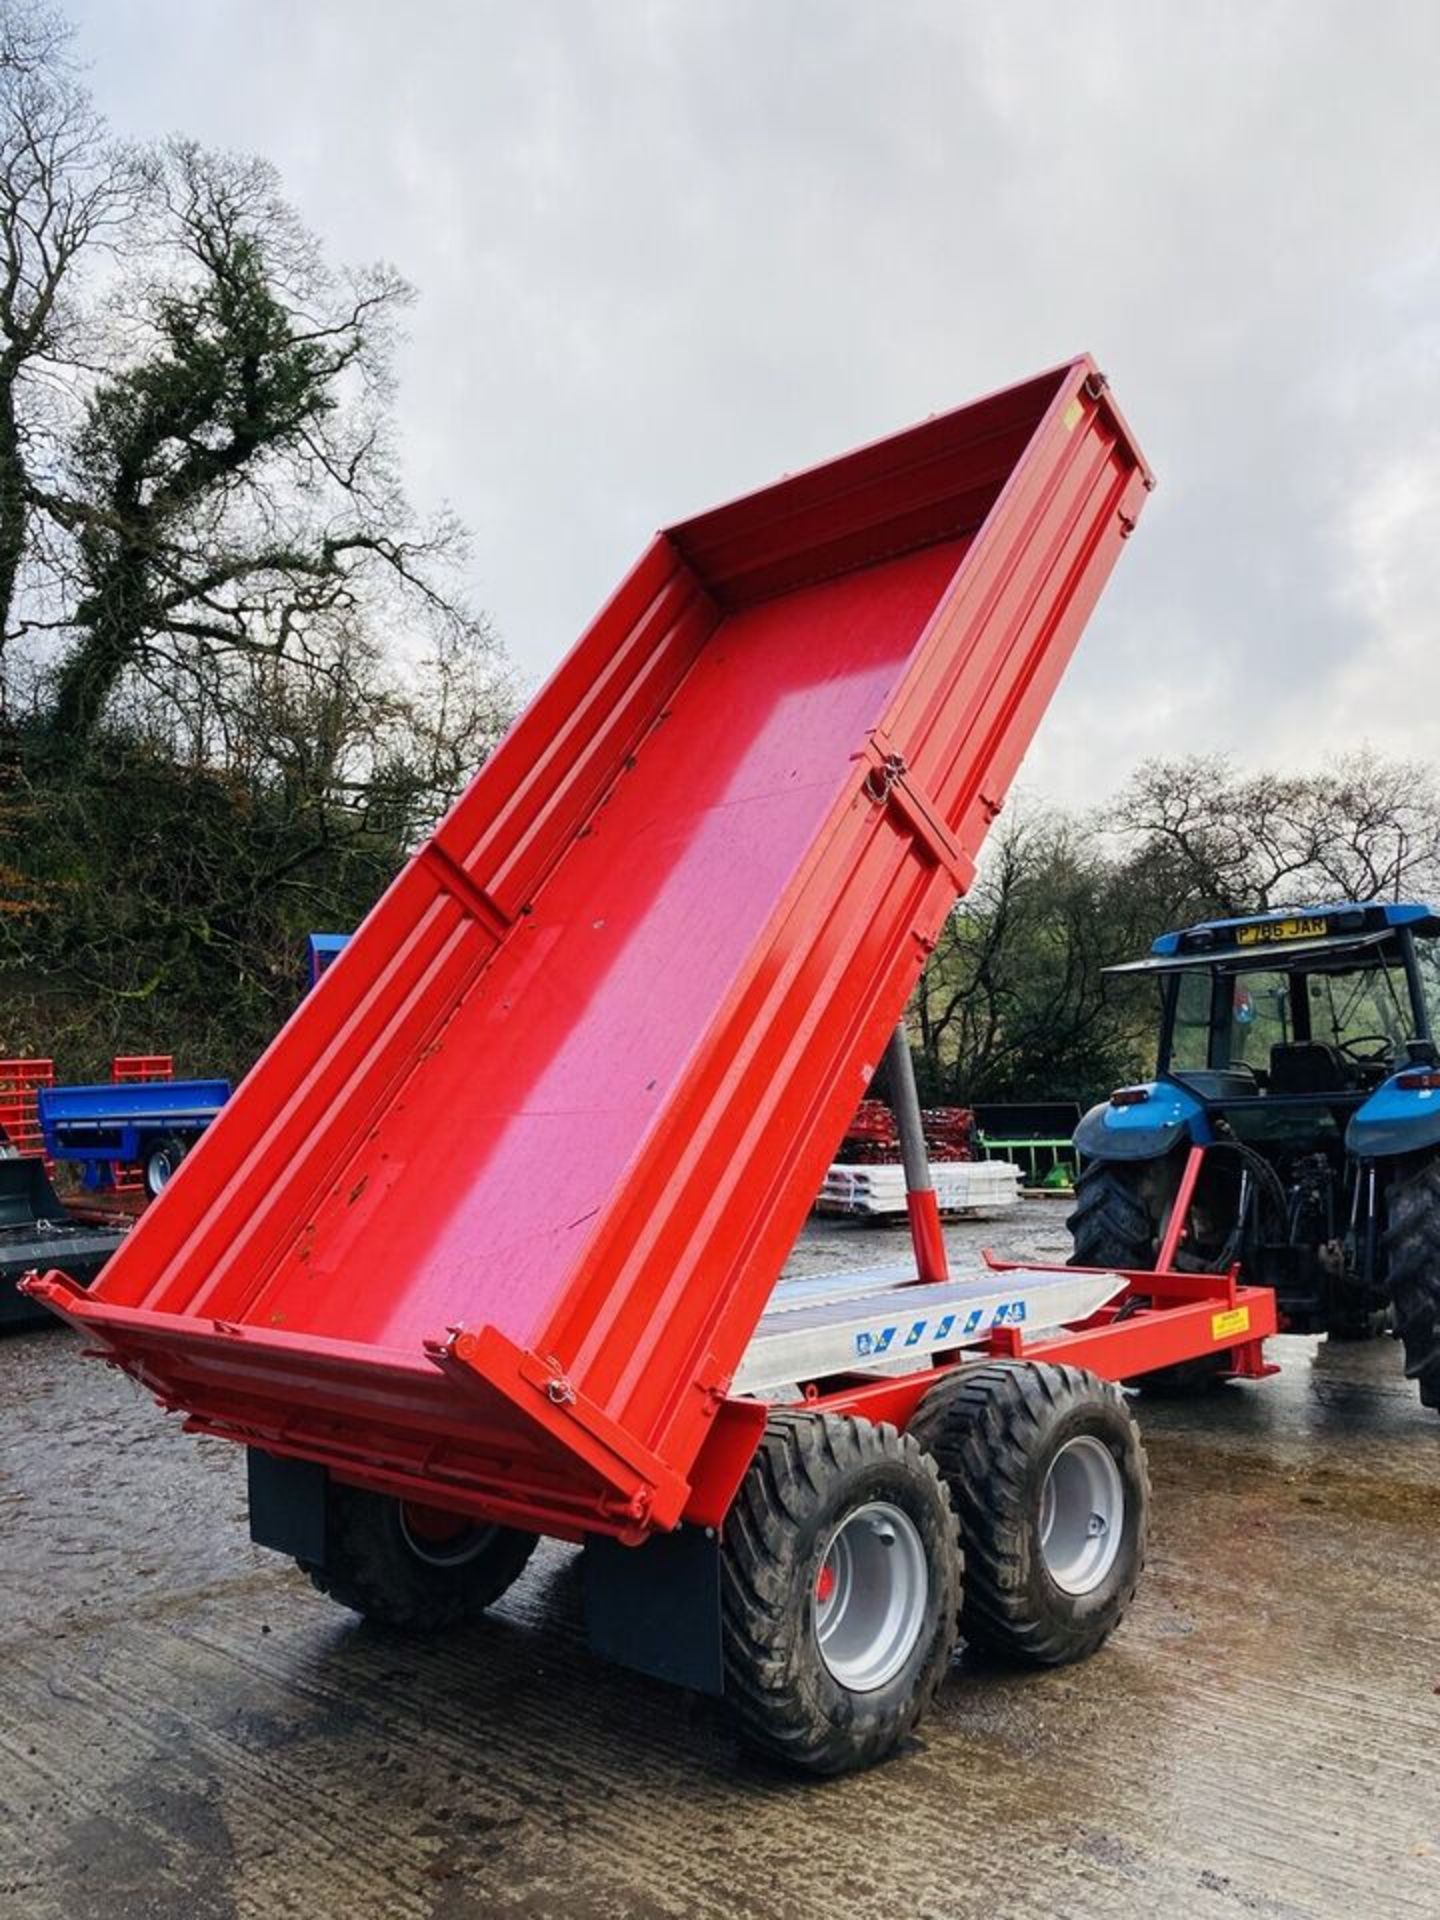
1315 1008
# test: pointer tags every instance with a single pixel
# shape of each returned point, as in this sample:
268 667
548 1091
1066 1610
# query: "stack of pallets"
961 1186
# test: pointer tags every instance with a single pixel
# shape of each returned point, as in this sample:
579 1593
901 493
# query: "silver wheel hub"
870 1596
1082 1515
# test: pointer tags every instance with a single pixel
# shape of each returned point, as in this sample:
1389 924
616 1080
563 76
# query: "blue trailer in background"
321 952
150 1124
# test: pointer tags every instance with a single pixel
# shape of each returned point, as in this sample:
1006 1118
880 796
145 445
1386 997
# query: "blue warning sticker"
868 1344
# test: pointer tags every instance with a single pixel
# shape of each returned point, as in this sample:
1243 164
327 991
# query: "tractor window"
1364 1013
1260 1018
1190 1035
1427 956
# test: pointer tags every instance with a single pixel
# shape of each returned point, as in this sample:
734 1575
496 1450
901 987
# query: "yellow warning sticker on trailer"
1224 1326
1070 419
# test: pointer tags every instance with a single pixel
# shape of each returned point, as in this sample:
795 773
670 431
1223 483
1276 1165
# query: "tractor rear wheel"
1111 1224
411 1567
1046 1471
840 1591
1412 1246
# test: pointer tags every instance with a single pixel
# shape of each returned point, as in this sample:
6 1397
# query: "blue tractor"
1297 1050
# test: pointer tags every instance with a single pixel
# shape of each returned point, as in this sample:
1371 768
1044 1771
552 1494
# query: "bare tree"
233 489
243 676
1013 1003
1228 842
63 187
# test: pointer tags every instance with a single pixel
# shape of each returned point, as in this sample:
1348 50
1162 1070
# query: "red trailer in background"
20 1084
487 1244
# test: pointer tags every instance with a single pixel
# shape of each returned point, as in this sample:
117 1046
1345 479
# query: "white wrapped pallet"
961 1186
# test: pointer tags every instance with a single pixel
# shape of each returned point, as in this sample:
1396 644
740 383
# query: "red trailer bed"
469 1231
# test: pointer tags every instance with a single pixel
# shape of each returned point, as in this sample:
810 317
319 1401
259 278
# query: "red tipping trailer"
486 1236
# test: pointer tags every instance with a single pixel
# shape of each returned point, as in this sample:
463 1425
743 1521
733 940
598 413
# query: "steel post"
920 1202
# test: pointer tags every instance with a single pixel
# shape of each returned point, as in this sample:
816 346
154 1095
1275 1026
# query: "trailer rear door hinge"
883 775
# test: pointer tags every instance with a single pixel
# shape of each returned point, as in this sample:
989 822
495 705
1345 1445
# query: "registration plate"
1268 932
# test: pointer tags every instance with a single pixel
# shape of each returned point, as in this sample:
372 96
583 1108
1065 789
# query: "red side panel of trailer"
496 1214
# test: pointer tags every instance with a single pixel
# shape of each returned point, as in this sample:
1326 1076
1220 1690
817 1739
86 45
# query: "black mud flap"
287 1505
656 1608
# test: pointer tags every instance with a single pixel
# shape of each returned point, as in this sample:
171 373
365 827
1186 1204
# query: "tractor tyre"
1412 1246
840 1592
410 1567
1046 1471
161 1160
1111 1224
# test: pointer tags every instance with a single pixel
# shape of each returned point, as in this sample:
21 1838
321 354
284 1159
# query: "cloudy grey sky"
667 249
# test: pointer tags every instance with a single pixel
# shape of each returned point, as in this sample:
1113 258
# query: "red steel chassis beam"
1162 1319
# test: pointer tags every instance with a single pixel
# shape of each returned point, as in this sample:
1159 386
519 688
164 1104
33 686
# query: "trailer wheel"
410 1567
840 1591
1412 1245
160 1163
1048 1476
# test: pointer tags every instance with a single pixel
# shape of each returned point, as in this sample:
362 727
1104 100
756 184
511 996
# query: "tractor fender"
1394 1120
1150 1120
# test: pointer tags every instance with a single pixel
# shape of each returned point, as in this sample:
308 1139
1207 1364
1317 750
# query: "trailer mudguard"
1158 1117
493 1220
1395 1120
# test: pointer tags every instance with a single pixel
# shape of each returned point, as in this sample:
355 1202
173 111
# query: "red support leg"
1180 1212
926 1236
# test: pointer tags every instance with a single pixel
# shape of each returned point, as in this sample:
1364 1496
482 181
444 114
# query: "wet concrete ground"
188 1732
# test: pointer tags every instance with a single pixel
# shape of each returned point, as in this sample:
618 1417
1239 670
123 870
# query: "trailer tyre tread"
811 1470
1412 1246
994 1430
371 1567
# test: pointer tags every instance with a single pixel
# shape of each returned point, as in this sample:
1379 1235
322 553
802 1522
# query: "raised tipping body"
495 1217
